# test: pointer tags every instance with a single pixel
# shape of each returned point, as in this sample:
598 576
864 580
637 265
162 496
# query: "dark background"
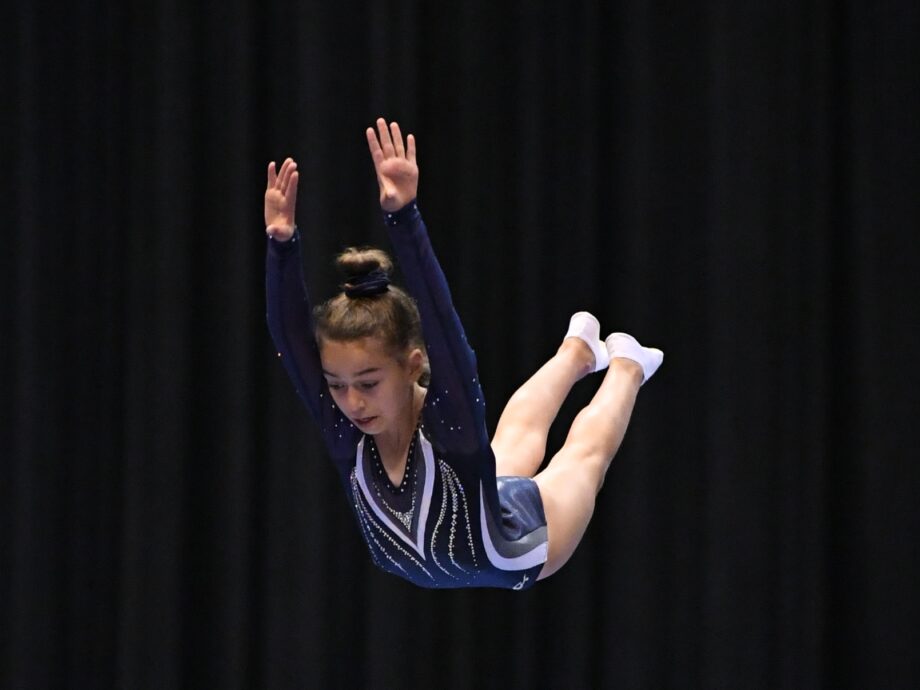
733 182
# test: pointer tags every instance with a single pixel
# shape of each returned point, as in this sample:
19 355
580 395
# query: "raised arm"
289 312
454 395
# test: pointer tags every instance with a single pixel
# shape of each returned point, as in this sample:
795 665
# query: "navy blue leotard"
451 523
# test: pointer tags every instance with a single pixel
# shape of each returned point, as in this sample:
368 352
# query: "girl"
392 383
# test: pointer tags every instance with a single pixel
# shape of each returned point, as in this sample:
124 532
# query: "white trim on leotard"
424 505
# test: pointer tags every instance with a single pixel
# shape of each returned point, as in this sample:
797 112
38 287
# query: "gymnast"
391 381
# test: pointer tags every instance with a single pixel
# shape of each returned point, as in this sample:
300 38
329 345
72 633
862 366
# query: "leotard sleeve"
290 322
455 406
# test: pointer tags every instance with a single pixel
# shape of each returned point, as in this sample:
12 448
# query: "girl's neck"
395 442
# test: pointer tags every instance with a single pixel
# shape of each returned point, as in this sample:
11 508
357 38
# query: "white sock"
624 345
583 325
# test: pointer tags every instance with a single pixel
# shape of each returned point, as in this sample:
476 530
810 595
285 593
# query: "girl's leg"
519 442
569 485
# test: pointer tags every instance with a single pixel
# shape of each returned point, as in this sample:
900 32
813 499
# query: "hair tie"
373 283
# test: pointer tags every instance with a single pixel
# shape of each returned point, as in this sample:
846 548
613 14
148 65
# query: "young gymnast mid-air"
391 381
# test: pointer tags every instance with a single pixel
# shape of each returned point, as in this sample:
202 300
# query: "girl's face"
374 389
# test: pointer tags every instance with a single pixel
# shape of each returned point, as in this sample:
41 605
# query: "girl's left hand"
397 171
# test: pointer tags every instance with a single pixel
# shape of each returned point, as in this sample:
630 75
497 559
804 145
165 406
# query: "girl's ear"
415 363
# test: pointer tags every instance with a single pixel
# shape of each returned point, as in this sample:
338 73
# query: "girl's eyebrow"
369 370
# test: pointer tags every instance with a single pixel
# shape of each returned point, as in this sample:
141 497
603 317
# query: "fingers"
410 152
374 146
284 177
292 185
397 140
386 143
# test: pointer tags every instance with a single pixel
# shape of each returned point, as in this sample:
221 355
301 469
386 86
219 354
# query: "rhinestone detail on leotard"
370 526
409 482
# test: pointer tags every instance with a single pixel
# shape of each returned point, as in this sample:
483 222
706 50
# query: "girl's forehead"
369 346
351 357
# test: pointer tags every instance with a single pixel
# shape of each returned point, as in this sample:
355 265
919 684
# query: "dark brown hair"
383 311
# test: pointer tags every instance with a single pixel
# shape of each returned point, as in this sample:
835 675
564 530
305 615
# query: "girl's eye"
368 386
335 386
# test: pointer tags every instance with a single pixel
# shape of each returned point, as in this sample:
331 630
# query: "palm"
279 209
396 174
395 164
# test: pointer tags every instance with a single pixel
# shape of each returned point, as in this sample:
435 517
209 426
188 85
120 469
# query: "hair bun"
366 269
372 283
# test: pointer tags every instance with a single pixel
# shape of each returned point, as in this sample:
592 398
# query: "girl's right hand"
281 200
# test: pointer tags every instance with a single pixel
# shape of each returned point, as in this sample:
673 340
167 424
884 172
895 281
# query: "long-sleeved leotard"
450 523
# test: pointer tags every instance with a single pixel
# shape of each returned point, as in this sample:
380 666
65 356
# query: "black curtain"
735 183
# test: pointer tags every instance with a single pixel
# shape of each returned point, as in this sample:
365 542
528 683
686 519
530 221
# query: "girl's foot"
584 326
624 345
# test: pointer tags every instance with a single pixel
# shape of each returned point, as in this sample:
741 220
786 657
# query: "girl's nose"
355 400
